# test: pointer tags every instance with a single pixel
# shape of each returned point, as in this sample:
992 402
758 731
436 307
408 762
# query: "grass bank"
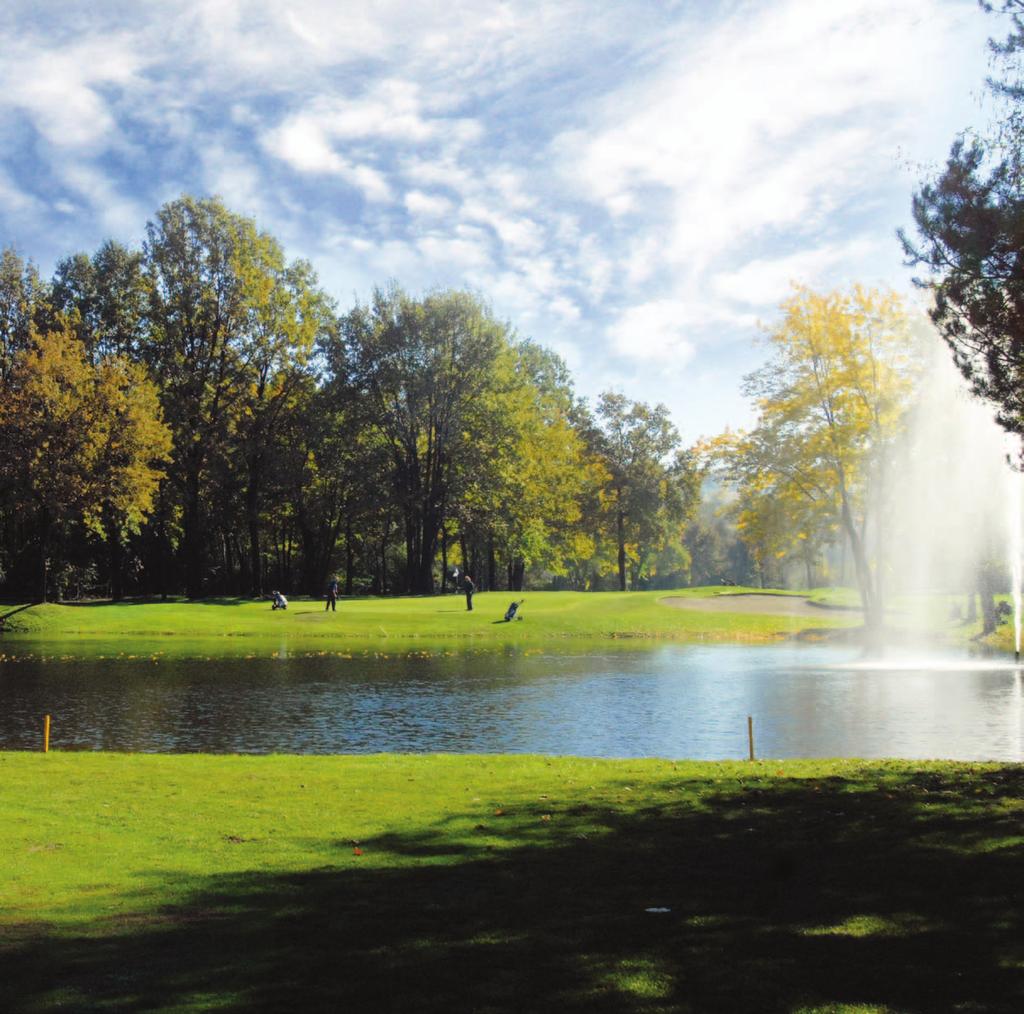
429 883
546 616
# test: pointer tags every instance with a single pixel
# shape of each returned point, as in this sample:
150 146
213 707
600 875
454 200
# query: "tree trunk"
424 578
870 599
115 557
116 563
192 540
620 526
164 555
350 557
410 552
252 515
44 554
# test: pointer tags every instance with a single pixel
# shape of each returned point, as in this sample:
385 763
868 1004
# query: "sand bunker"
772 605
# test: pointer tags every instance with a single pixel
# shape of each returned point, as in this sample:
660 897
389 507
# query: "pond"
678 701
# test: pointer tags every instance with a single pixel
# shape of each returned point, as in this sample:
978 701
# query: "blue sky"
635 185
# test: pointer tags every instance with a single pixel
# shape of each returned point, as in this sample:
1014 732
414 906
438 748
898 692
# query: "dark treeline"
198 416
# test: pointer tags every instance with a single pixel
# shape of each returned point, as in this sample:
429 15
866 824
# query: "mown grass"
243 627
545 616
444 883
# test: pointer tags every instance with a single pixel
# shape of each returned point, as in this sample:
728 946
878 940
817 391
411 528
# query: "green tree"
105 297
288 315
24 304
210 274
422 368
334 475
717 556
646 490
521 483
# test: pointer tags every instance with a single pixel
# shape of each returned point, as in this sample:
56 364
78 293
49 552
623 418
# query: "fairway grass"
507 883
237 626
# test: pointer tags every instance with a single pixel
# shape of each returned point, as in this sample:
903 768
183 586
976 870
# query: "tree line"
197 416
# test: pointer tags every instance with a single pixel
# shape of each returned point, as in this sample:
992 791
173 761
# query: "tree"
717 555
831 400
23 305
334 476
83 441
105 297
209 272
970 223
286 319
523 477
644 492
421 368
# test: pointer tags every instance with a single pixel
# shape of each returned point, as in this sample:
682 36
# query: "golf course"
233 625
491 882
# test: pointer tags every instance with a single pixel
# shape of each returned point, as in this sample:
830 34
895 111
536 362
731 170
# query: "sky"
636 185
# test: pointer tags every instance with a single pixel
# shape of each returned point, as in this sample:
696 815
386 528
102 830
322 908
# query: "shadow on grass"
156 600
14 612
900 896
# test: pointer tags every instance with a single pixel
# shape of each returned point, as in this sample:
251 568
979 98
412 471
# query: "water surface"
679 701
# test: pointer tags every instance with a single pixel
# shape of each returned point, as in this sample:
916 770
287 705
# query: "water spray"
1016 544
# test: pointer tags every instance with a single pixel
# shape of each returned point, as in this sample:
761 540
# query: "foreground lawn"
546 616
444 883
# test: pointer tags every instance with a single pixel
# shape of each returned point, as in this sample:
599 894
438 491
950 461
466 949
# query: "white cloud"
764 122
423 205
519 233
116 213
58 87
13 199
653 331
465 252
304 144
765 281
565 308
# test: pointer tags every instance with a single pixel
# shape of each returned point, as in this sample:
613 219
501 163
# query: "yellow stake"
750 735
46 734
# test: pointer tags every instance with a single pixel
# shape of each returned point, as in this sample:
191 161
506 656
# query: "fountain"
1015 500
954 516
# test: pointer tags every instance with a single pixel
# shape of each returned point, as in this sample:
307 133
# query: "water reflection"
670 701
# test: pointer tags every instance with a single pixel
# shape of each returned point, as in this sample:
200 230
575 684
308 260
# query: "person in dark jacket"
469 588
332 596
